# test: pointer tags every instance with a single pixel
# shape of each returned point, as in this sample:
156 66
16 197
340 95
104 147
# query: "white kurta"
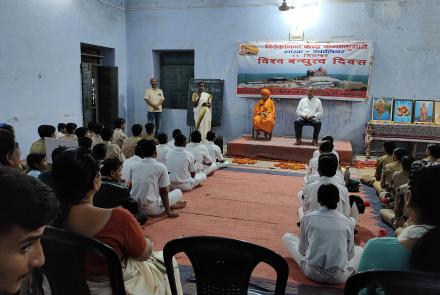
325 250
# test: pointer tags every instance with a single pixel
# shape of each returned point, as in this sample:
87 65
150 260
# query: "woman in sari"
202 110
76 179
264 114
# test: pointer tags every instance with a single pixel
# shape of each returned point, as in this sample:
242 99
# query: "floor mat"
255 206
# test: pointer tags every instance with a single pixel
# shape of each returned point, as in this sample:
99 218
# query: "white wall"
40 80
406 54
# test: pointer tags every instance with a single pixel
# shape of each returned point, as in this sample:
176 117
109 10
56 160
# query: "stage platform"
283 148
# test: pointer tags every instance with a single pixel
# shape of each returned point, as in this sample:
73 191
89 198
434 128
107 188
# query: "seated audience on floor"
162 148
388 171
81 132
180 164
392 201
200 153
129 144
119 135
8 127
46 176
175 133
327 166
61 130
115 227
38 147
85 142
91 129
113 150
316 153
382 161
151 184
100 153
127 166
27 207
149 132
70 132
325 249
9 150
96 136
432 153
325 147
215 152
113 192
421 205
36 163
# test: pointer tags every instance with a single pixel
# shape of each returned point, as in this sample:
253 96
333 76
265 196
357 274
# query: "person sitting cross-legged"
119 135
129 144
113 150
172 141
181 165
113 192
127 166
162 148
215 152
151 184
325 249
327 166
201 155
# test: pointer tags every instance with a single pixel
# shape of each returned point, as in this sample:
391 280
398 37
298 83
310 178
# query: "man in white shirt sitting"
316 153
201 155
181 165
127 166
327 166
162 148
171 142
215 152
309 112
151 183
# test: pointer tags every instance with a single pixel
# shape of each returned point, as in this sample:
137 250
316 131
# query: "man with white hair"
309 112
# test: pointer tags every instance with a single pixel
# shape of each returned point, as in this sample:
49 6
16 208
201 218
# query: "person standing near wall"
154 99
202 110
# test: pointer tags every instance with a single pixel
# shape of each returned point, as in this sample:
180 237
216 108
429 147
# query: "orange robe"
264 115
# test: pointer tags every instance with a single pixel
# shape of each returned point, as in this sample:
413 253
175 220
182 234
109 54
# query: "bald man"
154 99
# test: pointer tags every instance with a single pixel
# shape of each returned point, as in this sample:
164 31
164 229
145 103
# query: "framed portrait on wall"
423 111
381 109
437 112
402 110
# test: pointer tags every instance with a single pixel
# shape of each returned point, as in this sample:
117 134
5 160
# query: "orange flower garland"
244 161
290 165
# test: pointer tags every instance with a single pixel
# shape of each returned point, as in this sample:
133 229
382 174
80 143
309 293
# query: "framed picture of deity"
381 109
437 112
403 111
423 111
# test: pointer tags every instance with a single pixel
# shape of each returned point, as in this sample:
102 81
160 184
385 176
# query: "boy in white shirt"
162 148
181 165
175 133
127 166
151 183
215 152
327 166
201 155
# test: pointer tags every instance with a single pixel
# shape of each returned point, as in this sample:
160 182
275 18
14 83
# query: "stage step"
283 148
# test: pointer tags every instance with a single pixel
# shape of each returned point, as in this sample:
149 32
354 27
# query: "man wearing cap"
309 112
264 114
